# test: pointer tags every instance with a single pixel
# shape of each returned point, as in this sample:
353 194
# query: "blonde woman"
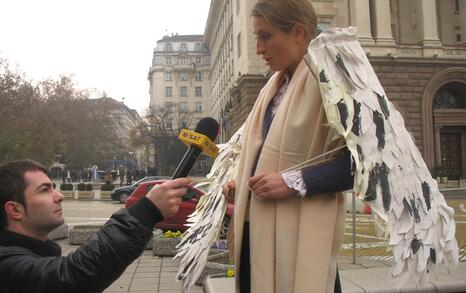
288 226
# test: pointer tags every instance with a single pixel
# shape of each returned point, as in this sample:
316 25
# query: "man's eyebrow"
47 184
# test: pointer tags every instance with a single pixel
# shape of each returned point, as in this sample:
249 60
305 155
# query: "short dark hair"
13 183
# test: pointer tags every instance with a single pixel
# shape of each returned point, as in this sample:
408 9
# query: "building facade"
124 120
417 49
179 77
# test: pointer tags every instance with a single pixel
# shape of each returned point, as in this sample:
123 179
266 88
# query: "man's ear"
14 210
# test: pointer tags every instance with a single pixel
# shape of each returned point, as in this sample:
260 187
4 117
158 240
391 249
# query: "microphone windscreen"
207 126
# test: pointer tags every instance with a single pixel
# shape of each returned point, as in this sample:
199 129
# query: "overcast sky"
104 44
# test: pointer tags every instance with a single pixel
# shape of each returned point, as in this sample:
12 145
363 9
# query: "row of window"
182 47
183 91
183 106
169 60
182 76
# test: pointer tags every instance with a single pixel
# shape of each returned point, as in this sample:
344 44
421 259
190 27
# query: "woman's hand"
228 191
270 185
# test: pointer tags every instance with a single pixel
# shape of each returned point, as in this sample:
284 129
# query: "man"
31 208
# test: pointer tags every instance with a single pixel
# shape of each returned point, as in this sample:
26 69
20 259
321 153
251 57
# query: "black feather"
343 110
356 129
385 185
426 193
379 130
371 193
383 105
341 64
415 244
417 217
322 76
433 255
408 206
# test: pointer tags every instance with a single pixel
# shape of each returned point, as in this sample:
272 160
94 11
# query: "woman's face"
279 50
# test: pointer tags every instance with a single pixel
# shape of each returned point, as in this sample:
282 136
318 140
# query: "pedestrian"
129 178
288 225
31 208
121 174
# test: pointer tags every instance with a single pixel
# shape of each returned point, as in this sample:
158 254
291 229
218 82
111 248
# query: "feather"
389 171
206 221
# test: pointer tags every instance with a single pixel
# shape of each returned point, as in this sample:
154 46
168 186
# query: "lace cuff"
294 180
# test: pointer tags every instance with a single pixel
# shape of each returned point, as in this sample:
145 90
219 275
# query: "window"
198 47
168 91
197 60
198 106
183 61
183 76
168 123
458 37
198 76
184 47
168 47
168 75
457 6
239 44
183 91
184 107
198 91
168 60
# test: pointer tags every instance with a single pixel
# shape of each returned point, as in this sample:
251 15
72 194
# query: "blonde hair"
284 14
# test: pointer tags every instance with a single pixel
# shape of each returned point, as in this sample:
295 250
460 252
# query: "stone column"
361 18
427 23
383 22
438 148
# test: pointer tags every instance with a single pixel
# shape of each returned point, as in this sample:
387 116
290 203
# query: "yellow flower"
230 273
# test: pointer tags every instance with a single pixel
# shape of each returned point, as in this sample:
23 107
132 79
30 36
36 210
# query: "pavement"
150 273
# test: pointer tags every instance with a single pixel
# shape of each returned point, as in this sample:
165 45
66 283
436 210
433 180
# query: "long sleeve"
92 267
332 176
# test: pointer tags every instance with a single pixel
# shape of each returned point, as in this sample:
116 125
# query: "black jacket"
30 265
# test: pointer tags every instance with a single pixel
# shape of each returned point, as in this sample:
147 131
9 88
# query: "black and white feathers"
390 172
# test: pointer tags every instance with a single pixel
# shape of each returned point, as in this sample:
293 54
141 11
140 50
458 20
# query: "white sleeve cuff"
294 180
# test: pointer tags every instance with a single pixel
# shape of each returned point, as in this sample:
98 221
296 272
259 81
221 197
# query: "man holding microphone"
30 208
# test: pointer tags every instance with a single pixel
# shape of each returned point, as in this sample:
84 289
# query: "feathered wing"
389 170
206 221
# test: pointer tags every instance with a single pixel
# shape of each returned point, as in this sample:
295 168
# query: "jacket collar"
42 248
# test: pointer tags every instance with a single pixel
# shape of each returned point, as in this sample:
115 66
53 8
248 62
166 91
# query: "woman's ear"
299 32
14 210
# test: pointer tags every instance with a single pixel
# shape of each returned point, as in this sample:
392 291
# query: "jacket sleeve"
91 268
332 176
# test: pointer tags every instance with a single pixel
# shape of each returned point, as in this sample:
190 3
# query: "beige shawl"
294 241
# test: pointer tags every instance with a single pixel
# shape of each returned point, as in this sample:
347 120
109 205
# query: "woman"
288 226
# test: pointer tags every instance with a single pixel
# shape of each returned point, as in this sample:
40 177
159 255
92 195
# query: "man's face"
43 204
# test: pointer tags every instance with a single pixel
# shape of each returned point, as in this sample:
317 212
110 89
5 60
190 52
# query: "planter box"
79 234
105 195
68 194
85 195
213 268
165 246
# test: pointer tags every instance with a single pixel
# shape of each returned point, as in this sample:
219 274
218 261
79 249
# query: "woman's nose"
260 48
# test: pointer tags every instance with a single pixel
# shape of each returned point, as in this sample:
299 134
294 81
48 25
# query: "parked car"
122 193
187 207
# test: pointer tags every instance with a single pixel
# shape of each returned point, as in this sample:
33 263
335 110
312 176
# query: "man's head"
29 203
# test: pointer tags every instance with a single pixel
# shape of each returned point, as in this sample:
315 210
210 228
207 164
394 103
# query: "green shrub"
81 186
66 186
107 187
63 186
88 187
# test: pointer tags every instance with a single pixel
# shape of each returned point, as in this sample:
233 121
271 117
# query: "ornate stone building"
179 76
417 48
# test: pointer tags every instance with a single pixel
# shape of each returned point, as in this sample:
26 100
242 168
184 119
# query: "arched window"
450 96
168 47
